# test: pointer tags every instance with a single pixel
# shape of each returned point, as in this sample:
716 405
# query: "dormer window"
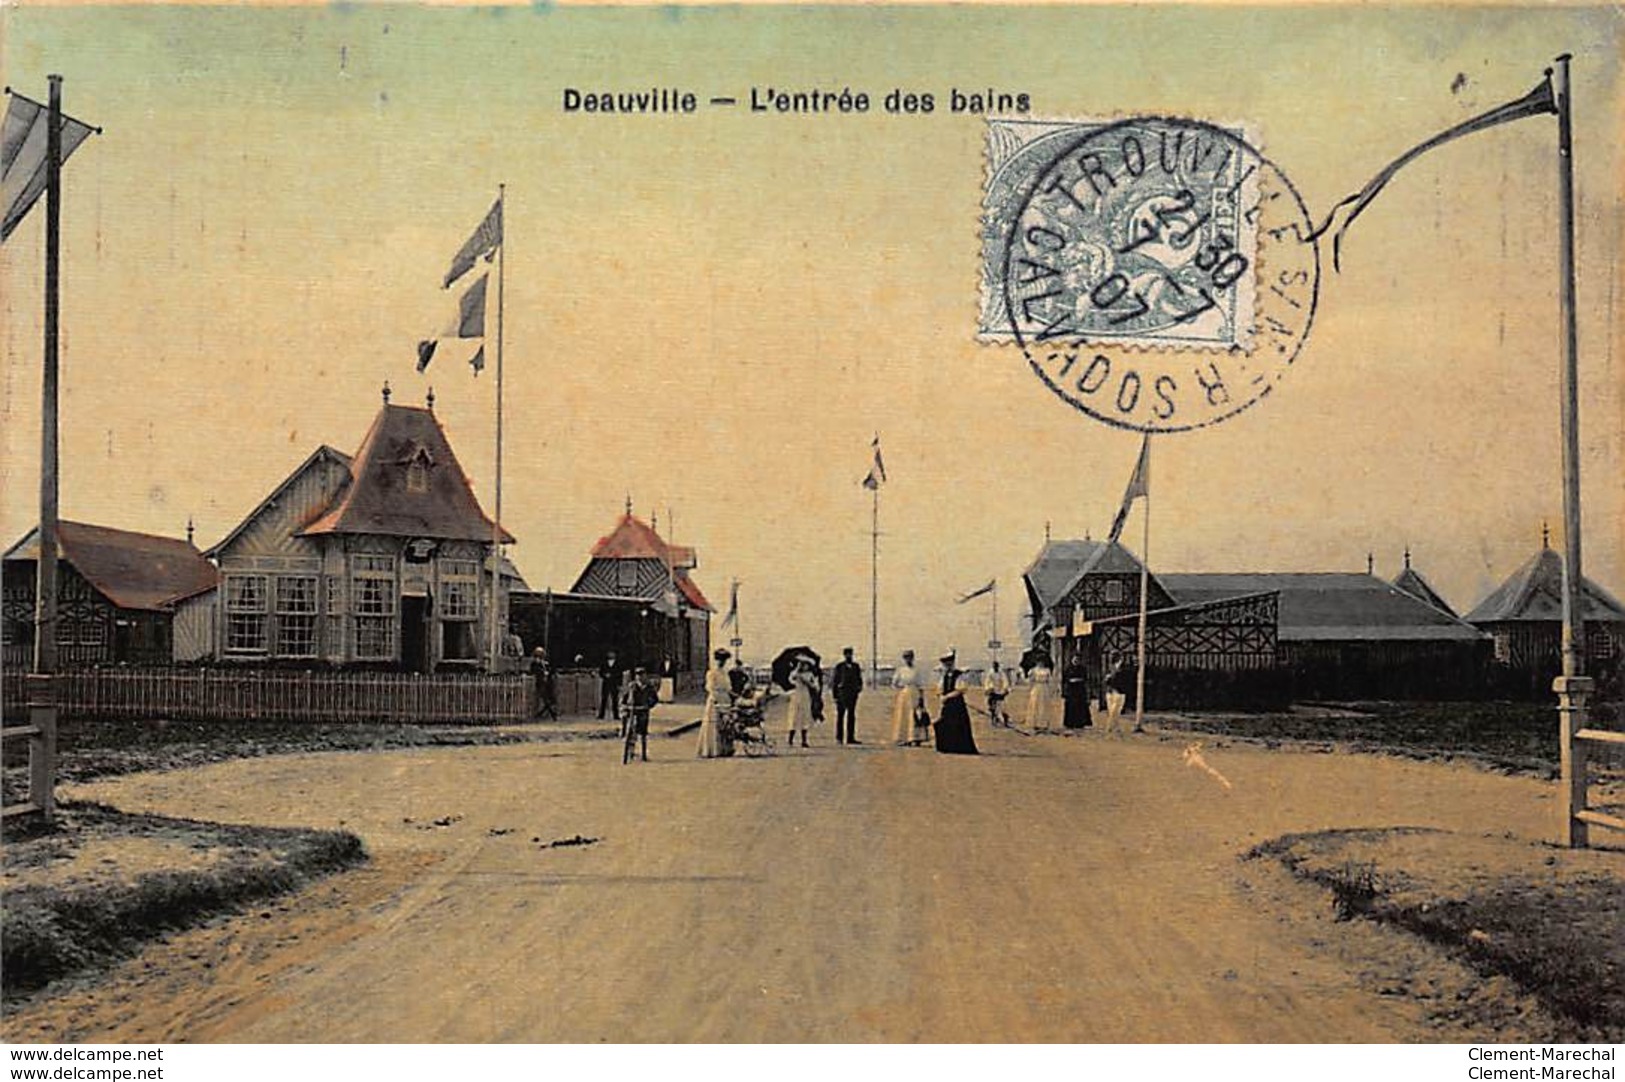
418 464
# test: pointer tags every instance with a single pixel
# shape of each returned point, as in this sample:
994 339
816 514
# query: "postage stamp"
1156 271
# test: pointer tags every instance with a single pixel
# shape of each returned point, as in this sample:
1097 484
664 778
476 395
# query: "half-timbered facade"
1252 638
635 597
382 559
116 594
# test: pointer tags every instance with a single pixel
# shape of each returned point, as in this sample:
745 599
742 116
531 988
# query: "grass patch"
64 913
1551 920
1515 737
88 749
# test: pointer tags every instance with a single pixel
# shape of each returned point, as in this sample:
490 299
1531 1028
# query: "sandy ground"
1052 889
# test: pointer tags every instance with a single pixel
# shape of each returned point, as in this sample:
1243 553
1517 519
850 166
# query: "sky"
715 313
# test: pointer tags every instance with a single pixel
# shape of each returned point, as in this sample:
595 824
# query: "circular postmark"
1158 274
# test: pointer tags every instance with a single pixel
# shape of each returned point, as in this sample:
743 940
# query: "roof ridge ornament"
386 392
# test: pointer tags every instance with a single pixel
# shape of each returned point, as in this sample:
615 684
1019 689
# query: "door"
415 634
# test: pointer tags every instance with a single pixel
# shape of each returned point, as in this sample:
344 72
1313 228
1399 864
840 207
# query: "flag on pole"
1538 101
877 469
978 592
732 619
22 156
484 241
1138 485
470 323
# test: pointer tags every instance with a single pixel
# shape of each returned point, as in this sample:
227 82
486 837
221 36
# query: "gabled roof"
510 570
378 500
1328 605
1411 581
1061 564
331 454
634 539
692 593
132 570
1534 593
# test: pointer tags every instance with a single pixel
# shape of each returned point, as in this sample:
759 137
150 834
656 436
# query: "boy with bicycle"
637 700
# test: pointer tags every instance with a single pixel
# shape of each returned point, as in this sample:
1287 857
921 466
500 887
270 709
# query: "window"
374 565
92 633
246 605
1602 643
626 577
372 600
458 599
296 616
1503 647
1114 591
417 470
459 606
457 640
335 616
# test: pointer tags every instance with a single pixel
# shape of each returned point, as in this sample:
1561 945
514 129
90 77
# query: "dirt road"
1055 888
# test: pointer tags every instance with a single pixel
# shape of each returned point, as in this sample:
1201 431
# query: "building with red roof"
382 558
117 591
635 597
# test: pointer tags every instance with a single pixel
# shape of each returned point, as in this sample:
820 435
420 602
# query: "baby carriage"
742 727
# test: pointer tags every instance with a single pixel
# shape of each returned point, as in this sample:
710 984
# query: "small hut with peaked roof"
635 597
1524 618
381 559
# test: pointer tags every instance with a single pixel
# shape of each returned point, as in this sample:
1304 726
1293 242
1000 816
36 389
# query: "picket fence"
272 695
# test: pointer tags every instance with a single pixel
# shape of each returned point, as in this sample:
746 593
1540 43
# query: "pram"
742 727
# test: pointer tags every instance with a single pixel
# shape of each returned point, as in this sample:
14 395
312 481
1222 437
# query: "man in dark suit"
547 690
846 682
609 685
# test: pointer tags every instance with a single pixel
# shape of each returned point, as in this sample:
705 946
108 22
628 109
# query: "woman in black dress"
953 729
1075 691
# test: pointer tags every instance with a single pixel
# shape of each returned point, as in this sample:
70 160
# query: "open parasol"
786 661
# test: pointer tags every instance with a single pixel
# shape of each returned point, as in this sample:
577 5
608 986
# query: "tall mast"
874 589
42 702
1145 590
496 524
1572 687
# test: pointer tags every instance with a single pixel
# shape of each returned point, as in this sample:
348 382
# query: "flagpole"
1572 686
496 524
874 589
41 691
1145 585
995 636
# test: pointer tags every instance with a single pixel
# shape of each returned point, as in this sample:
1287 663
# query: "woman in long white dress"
1038 706
909 696
718 697
800 713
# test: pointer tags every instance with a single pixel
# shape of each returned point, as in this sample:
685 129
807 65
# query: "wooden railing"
273 695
